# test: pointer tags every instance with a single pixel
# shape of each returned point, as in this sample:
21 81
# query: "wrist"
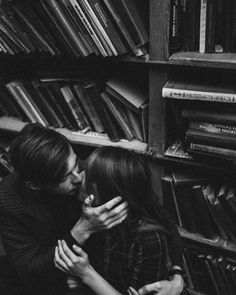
80 232
89 276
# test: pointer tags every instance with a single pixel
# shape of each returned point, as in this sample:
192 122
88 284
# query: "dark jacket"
31 223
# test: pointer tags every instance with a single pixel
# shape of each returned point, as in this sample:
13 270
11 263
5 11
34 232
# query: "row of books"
208 132
76 27
209 274
119 108
200 206
206 26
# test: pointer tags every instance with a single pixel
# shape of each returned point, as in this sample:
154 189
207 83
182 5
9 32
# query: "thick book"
205 222
63 21
24 100
75 108
119 114
213 128
199 91
87 25
226 117
118 19
87 102
106 23
213 139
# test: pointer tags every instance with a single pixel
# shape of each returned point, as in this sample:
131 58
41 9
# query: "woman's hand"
76 264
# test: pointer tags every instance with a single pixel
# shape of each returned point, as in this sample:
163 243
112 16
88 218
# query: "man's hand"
173 287
95 219
72 283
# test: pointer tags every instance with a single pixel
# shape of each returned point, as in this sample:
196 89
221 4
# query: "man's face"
72 180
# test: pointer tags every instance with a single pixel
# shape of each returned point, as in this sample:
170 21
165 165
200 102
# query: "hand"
173 287
95 219
72 283
76 264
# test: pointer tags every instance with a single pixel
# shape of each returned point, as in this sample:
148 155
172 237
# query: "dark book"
106 23
119 114
118 19
176 28
76 22
222 196
86 101
205 222
135 124
213 128
229 288
209 195
213 139
75 108
231 199
22 97
209 116
88 26
134 21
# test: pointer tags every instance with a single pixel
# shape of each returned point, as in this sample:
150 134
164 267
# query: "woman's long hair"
112 171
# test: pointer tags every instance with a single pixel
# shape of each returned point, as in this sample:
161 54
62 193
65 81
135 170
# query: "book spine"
98 26
213 149
198 95
108 26
117 18
88 27
213 128
203 24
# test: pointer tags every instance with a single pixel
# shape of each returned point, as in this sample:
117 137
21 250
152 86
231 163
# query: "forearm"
177 284
98 284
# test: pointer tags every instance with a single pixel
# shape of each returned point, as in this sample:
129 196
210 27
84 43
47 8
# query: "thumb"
79 251
88 201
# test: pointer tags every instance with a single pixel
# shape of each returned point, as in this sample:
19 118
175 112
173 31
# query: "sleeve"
149 259
28 257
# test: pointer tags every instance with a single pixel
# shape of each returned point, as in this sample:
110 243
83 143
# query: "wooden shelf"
208 60
11 124
216 243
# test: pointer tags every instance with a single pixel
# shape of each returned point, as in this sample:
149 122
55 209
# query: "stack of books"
75 27
210 132
118 108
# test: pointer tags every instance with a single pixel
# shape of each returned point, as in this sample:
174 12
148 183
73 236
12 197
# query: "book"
106 23
119 114
176 28
213 128
21 96
176 150
199 91
86 101
87 25
98 28
117 17
207 26
75 108
213 139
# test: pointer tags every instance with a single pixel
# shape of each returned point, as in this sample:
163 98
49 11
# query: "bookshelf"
155 67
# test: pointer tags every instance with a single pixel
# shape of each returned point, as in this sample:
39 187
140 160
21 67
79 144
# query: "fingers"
79 251
59 263
150 288
132 291
116 221
62 253
109 205
88 202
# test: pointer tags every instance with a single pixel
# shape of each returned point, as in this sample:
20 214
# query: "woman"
133 253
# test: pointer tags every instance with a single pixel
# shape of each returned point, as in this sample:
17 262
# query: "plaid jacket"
133 259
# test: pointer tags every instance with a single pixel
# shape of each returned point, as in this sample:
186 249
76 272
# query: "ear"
31 185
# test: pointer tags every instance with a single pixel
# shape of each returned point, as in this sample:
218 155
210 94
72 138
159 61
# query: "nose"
78 177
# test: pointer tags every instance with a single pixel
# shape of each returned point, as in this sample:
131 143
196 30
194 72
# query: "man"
39 205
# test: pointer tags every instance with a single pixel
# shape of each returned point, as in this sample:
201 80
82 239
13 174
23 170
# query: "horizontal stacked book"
206 26
210 130
75 27
118 108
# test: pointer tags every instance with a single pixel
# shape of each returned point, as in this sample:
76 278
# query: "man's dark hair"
39 154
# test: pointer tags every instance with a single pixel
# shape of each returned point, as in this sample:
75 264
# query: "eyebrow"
68 173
